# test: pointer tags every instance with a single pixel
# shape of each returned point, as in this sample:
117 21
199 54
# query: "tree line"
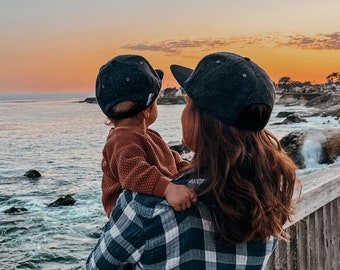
287 83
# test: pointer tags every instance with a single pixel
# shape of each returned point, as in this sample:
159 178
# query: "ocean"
63 139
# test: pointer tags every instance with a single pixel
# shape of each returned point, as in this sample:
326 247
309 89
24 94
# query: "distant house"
179 93
334 87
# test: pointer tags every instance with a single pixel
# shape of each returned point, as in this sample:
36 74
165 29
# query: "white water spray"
311 150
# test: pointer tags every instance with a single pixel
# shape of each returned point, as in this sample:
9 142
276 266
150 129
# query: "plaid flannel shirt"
145 231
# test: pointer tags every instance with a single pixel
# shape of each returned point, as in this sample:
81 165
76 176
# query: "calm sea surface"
63 140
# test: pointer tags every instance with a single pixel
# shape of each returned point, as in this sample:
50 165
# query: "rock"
292 144
96 234
329 141
88 100
168 100
67 200
32 174
293 98
326 100
178 147
290 119
294 119
332 111
328 103
331 147
14 210
283 114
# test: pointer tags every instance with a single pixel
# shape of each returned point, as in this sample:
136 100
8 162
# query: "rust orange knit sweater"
138 161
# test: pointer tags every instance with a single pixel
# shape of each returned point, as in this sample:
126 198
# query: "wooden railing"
315 231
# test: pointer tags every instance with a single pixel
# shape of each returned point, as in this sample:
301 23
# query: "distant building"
178 93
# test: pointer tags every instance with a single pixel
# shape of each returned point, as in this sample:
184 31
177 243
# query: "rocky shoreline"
328 140
325 104
166 100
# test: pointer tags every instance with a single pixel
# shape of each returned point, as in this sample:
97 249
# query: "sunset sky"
60 45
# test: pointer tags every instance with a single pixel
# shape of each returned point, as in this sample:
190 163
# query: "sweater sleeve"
181 163
136 174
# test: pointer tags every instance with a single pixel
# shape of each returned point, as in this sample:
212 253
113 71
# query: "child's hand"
179 197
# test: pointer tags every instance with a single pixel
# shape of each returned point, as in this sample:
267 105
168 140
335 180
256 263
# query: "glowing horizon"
60 46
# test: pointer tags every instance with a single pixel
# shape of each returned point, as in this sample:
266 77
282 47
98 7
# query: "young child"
134 156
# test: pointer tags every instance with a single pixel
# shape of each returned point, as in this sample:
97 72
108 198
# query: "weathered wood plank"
319 188
315 230
335 234
311 247
292 255
326 215
319 236
302 242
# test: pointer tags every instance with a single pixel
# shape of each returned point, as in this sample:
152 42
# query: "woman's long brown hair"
250 179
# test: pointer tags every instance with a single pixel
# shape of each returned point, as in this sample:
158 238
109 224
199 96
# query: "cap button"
246 58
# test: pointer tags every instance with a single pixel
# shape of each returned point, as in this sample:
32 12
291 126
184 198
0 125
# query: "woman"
244 180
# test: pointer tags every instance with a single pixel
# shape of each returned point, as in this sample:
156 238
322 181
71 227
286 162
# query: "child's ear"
146 112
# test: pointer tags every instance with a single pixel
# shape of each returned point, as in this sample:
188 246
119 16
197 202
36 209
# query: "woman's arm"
122 241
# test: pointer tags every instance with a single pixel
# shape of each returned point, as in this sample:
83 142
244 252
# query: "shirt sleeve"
122 241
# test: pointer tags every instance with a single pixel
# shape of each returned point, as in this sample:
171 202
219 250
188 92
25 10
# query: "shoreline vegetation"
326 99
169 100
318 100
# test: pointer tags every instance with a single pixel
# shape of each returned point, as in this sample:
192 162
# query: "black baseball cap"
127 78
223 84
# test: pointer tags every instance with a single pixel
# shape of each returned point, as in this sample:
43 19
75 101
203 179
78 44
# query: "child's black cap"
127 78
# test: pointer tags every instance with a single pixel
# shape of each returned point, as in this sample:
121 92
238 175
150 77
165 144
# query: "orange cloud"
176 46
316 42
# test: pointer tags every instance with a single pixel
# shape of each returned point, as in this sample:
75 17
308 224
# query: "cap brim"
181 73
160 73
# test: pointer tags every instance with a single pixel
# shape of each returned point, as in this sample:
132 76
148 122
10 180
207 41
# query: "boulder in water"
294 119
284 114
178 147
66 200
330 147
15 210
32 174
88 100
290 119
292 144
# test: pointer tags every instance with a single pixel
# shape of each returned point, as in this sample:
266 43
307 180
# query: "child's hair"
122 107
